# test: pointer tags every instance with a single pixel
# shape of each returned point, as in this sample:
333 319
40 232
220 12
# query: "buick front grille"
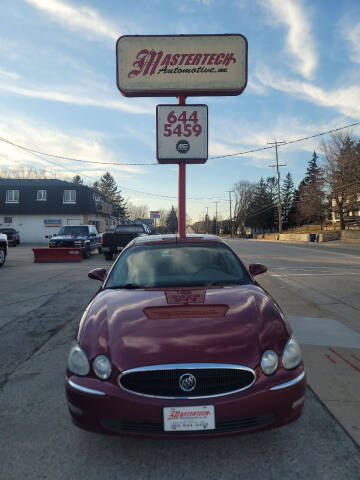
187 380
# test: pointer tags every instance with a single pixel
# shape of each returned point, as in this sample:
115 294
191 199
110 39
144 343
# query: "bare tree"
137 211
244 192
342 171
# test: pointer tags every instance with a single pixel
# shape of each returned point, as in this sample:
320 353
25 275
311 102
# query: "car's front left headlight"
269 362
291 356
77 360
102 367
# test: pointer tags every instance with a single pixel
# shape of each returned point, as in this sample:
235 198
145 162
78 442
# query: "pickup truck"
113 242
85 237
3 248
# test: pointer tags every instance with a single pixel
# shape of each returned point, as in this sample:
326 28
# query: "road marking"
356 358
313 274
345 359
329 358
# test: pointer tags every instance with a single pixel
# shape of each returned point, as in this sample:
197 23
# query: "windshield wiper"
128 285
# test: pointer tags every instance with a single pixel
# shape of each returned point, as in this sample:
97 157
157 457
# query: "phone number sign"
182 133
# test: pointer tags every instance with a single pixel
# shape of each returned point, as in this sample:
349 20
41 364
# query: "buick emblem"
183 146
187 382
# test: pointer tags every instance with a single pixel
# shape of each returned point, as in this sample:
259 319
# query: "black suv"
13 236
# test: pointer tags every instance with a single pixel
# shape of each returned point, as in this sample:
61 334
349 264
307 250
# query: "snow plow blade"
42 255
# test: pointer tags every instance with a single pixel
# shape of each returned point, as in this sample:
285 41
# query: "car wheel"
14 244
108 256
86 252
2 256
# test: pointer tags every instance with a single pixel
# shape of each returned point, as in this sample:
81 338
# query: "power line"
287 143
28 149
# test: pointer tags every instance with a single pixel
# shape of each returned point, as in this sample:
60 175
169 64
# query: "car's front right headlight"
77 360
291 356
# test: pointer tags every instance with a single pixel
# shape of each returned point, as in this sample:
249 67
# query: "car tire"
108 256
86 252
14 244
2 256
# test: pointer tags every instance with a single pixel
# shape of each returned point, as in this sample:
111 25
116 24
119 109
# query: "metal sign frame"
176 158
179 91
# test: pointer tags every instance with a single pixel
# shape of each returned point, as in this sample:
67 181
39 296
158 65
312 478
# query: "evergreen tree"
106 185
287 200
214 226
261 211
172 221
77 179
311 201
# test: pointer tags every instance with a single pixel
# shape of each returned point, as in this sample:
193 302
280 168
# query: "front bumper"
104 407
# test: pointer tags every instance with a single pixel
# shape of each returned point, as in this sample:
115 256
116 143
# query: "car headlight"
102 367
291 356
79 242
77 360
269 362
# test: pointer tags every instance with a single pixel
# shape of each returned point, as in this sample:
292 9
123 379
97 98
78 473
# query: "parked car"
13 236
180 340
3 248
85 237
113 242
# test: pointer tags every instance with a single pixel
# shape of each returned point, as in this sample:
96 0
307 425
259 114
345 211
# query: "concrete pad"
323 331
333 374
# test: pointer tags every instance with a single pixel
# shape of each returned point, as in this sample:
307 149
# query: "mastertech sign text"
186 64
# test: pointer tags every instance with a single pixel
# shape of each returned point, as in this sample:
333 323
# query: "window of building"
41 195
12 196
7 219
69 196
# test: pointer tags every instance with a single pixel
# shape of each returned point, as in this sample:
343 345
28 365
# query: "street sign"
187 65
155 214
182 133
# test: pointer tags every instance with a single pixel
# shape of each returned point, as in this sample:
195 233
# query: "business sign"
52 222
182 133
155 214
190 65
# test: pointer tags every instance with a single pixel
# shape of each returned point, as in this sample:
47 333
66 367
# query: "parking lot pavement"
38 440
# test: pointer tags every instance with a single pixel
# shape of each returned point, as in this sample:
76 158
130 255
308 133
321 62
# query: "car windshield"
177 265
73 230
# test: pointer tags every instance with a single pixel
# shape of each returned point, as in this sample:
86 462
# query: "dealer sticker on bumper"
189 418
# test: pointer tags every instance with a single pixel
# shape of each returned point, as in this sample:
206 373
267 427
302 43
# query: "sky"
58 91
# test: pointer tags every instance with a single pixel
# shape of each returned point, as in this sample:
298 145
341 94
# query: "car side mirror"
256 269
98 274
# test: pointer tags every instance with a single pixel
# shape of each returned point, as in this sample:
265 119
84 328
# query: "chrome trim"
85 389
290 383
186 366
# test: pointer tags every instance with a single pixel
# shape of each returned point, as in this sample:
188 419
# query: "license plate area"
182 419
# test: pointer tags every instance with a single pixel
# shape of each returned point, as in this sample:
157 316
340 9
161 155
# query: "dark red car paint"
117 324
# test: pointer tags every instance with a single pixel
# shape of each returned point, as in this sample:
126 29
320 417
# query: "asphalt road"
40 306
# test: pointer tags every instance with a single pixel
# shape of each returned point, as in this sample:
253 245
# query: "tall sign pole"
181 66
182 189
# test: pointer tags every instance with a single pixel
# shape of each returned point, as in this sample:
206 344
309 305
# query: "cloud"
43 93
352 35
88 145
7 74
345 100
299 39
78 18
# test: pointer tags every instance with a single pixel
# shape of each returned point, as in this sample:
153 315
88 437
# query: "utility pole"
276 143
230 192
216 216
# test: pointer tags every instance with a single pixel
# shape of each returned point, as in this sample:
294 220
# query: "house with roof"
39 207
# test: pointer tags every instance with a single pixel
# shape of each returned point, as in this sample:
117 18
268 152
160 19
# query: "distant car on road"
181 341
3 248
13 236
85 237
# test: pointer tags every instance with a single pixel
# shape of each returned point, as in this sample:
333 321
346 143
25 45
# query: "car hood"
234 324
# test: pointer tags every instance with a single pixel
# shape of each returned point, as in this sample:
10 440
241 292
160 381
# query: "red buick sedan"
181 341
